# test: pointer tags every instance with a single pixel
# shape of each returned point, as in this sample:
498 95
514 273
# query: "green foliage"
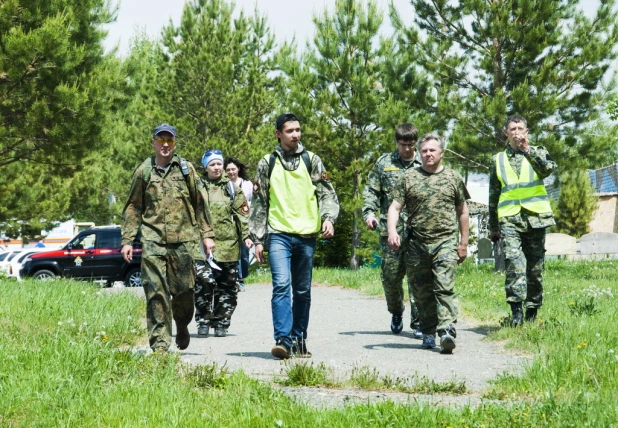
206 376
55 91
543 59
583 307
576 204
218 85
306 374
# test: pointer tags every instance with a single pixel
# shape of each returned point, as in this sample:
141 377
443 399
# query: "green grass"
62 364
304 373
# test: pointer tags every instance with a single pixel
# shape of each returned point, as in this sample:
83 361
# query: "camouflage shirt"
229 218
162 207
377 195
430 200
328 203
543 165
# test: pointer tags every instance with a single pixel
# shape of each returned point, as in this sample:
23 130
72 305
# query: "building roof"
605 180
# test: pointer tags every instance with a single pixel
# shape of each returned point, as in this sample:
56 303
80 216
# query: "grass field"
62 361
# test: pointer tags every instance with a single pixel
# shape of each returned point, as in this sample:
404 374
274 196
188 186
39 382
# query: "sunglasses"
213 152
169 141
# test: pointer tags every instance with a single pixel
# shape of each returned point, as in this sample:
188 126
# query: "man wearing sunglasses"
165 205
377 195
293 202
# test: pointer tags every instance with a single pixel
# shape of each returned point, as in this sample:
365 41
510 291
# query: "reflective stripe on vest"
526 191
293 204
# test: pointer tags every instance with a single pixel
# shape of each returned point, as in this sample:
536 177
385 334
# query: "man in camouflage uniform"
164 204
293 201
377 195
435 199
216 289
519 214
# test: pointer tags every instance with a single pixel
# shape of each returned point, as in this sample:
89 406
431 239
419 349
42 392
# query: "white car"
12 264
5 258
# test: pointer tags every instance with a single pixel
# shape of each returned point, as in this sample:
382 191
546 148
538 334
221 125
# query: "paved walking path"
347 330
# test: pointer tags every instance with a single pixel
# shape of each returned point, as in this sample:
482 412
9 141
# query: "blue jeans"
291 265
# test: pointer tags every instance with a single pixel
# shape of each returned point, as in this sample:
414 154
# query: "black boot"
518 315
531 314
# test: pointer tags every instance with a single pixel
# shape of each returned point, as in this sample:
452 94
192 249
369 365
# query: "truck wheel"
44 275
133 278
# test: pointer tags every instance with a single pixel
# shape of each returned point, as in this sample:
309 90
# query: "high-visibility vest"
526 191
293 204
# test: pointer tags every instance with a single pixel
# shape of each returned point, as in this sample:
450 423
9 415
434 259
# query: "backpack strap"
184 168
231 189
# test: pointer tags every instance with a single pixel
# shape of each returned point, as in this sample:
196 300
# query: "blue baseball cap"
164 127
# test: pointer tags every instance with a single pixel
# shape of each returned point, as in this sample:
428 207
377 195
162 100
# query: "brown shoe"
182 336
281 350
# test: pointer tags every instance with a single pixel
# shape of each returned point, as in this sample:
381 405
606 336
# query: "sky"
287 18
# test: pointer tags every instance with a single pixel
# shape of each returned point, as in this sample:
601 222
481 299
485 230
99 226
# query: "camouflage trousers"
431 273
524 252
168 276
393 270
216 293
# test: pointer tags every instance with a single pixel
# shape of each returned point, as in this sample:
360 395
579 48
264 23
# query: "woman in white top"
238 174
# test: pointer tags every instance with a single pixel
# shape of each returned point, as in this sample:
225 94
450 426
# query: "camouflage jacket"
163 208
328 203
431 200
543 165
229 218
377 194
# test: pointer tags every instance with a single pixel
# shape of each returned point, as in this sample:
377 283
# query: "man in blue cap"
165 205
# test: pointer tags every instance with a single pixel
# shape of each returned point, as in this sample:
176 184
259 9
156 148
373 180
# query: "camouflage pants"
431 273
392 273
524 253
216 293
167 277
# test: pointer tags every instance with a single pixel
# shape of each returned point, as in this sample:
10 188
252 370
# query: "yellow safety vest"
526 191
293 204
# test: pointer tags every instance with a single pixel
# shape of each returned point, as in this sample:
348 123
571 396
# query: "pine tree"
219 88
50 101
576 204
543 59
54 95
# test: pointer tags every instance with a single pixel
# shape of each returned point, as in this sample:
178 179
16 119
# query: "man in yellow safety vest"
293 202
519 214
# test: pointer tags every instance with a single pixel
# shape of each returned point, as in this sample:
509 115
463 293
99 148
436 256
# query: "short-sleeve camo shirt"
430 200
